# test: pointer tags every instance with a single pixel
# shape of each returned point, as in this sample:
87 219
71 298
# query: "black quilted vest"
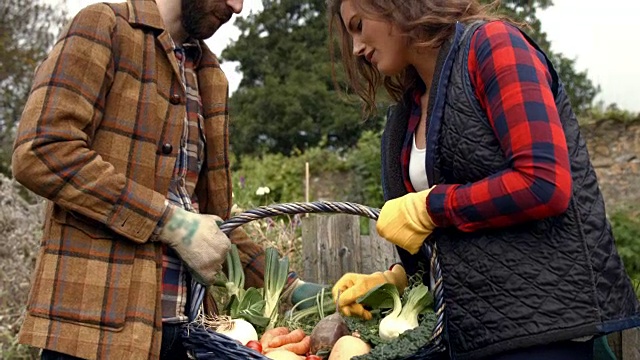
543 281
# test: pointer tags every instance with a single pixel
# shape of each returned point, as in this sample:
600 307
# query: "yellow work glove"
405 221
357 310
352 285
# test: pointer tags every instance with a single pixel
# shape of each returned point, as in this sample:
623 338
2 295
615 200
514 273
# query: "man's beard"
201 21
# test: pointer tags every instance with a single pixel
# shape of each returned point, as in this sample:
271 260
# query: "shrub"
626 229
352 175
283 176
20 229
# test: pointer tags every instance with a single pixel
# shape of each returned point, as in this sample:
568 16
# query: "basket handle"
331 207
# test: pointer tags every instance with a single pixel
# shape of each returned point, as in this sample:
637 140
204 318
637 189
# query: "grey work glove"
199 242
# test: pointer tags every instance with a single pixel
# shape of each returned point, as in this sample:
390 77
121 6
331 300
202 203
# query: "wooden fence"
626 344
332 246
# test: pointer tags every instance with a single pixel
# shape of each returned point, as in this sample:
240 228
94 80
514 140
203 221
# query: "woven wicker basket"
206 344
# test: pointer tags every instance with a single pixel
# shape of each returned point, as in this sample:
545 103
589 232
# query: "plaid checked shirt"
175 277
513 85
176 280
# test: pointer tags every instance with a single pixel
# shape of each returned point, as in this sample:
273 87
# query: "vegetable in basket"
354 285
295 341
284 355
251 307
258 306
246 304
384 301
347 347
237 329
403 317
327 332
275 279
405 345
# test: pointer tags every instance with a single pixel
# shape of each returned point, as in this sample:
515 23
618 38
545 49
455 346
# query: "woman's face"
379 42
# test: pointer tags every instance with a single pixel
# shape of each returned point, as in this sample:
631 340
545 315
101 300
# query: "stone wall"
614 148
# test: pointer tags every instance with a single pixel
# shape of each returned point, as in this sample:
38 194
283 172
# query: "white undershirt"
418 177
417 172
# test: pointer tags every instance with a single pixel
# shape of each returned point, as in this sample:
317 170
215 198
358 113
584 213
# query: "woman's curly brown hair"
425 23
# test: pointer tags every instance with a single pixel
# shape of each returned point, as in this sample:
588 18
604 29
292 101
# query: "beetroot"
327 332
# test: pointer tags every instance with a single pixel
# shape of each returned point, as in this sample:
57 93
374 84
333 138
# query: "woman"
482 155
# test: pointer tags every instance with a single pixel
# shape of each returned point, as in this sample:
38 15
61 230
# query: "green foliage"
284 176
579 87
27 32
351 176
364 161
626 230
287 99
610 112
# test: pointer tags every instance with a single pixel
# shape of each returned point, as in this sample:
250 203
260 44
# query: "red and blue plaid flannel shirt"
513 84
175 276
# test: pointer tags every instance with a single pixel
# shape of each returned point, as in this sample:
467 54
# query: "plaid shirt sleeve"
512 83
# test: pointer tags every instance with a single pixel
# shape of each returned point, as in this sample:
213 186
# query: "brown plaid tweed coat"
99 137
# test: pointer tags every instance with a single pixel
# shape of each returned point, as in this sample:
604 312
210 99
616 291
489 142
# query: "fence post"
377 253
631 344
625 344
332 246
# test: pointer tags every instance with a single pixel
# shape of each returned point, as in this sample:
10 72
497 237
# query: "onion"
237 329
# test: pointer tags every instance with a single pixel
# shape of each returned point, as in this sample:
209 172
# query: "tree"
27 32
579 87
287 99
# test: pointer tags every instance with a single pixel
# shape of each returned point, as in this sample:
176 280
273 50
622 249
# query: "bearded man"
125 133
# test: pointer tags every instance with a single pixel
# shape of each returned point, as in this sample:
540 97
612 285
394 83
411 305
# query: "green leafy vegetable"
235 273
275 279
405 317
379 297
246 304
251 308
368 329
407 344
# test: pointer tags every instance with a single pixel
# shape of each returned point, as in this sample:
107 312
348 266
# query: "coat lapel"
145 13
214 91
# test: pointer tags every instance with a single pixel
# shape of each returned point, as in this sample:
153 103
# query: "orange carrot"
300 348
290 338
270 334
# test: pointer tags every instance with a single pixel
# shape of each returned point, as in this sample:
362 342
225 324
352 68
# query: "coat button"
167 148
175 99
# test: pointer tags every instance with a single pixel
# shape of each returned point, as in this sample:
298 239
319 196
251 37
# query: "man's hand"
352 285
405 221
198 241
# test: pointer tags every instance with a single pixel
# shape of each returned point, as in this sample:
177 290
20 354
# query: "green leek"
275 280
